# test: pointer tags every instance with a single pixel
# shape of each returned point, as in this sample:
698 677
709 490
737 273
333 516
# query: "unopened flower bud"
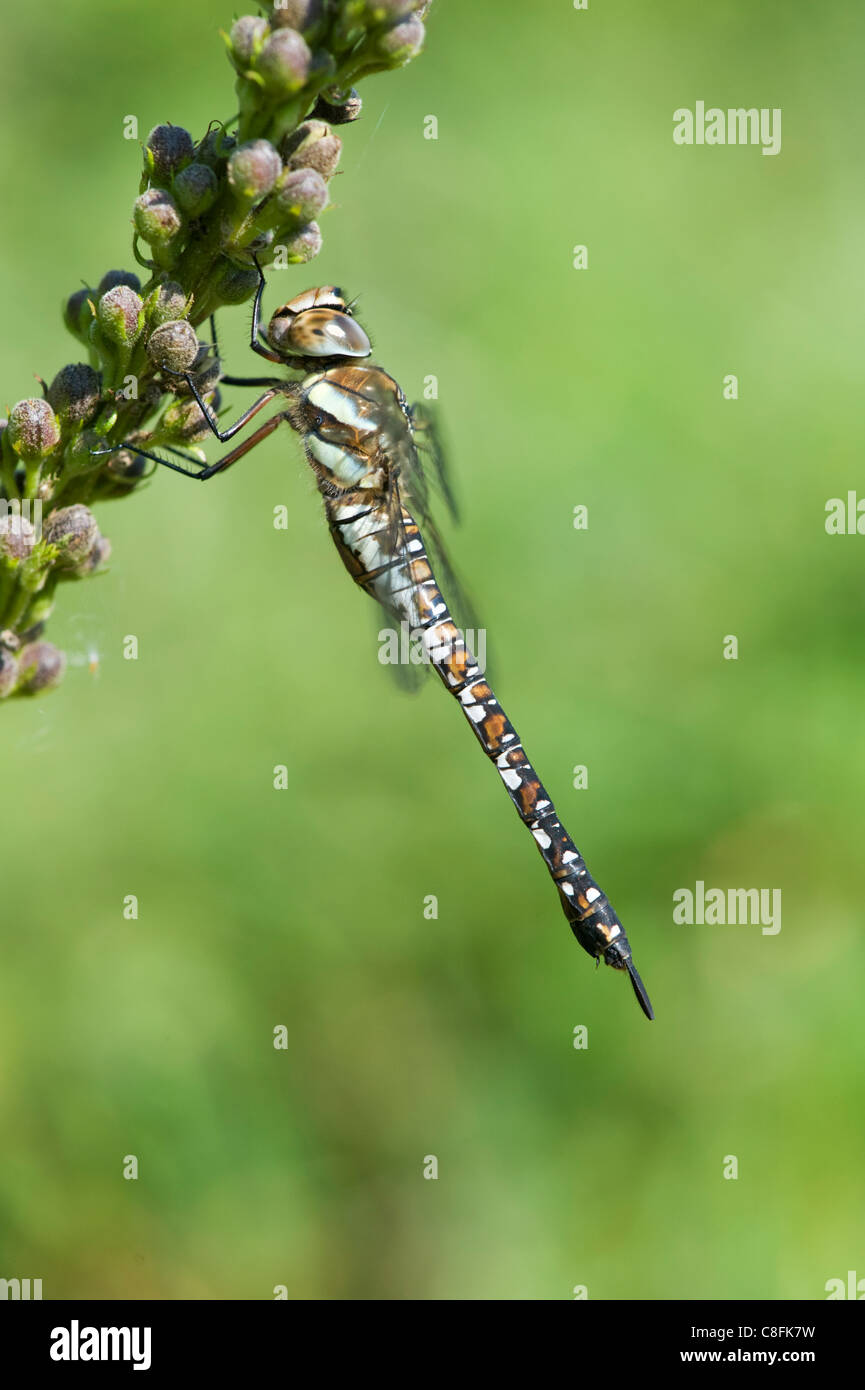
338 107
306 16
8 673
112 278
253 169
74 393
17 536
402 42
33 430
73 530
77 311
168 301
126 467
301 194
312 146
195 189
301 246
156 217
233 283
284 62
121 315
247 38
40 667
100 554
184 421
167 148
173 346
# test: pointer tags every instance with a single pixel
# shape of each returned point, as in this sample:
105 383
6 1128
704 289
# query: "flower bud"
300 194
8 673
77 311
156 217
73 530
173 346
168 301
253 170
284 63
126 467
167 148
100 554
40 667
120 313
195 189
184 420
306 16
338 107
312 146
246 39
17 536
402 42
232 283
300 246
112 278
33 430
74 393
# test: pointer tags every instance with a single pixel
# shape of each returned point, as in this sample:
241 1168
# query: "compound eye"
328 333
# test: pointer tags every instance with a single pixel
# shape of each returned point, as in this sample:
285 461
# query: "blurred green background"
409 1037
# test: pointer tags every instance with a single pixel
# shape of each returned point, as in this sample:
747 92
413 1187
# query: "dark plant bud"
8 673
77 313
156 217
233 283
40 667
33 430
338 107
195 189
247 38
402 42
126 466
300 194
73 530
167 148
100 554
74 393
301 246
312 146
173 346
17 536
215 147
121 315
253 169
306 16
284 62
205 372
112 278
168 301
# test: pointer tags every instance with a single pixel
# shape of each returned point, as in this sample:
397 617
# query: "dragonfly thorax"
316 324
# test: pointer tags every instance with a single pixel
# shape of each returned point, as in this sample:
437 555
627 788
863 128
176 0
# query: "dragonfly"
361 440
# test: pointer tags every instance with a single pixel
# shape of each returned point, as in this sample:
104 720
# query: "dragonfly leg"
224 435
203 474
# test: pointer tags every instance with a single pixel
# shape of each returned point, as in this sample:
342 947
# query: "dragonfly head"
317 324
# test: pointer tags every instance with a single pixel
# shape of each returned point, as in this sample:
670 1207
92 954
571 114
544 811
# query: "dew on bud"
195 189
253 169
74 393
156 217
167 148
73 530
120 313
338 107
17 536
173 346
33 429
284 62
40 667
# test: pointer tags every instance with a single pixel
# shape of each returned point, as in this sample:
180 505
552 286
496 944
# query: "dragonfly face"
315 324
